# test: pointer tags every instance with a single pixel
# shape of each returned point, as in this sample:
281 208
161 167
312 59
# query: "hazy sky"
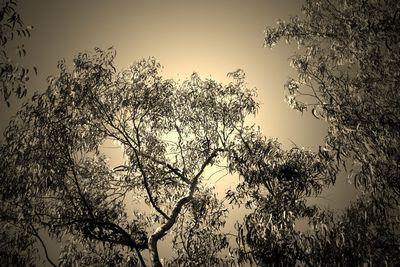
209 37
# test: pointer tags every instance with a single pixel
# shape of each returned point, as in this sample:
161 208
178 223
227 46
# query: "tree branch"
127 241
147 188
140 257
36 234
162 231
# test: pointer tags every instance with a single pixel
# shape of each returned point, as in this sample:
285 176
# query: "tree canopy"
348 74
170 133
56 177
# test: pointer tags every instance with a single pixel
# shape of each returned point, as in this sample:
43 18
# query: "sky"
211 38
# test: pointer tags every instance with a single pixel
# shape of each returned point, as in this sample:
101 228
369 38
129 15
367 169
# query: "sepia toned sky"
211 37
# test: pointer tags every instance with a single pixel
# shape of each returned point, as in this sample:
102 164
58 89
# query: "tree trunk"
162 231
155 259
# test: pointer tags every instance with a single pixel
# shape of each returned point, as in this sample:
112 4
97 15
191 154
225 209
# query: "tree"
276 185
348 74
56 177
13 75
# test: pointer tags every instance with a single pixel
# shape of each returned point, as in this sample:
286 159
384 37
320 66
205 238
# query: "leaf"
314 112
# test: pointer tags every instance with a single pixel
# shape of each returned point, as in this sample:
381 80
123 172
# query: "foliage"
348 74
276 186
13 75
56 177
84 252
361 235
54 170
16 247
198 239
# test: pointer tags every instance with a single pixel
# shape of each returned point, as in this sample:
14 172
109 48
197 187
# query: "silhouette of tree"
348 74
275 188
13 75
55 176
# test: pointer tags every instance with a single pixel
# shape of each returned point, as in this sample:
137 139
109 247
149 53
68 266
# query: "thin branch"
203 166
127 241
83 199
147 187
36 234
180 146
140 257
